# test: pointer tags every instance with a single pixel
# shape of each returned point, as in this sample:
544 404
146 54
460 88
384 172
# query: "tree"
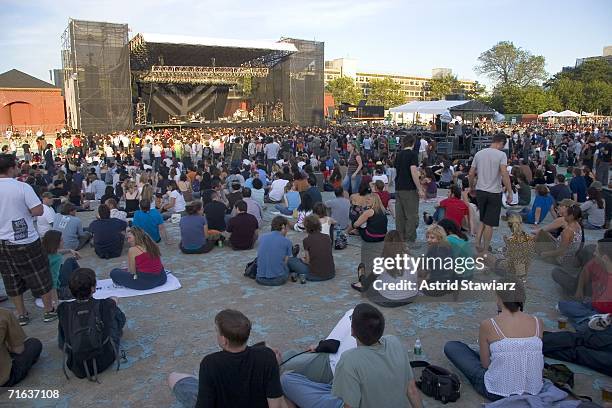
569 92
530 99
477 91
508 65
344 89
444 85
385 92
597 97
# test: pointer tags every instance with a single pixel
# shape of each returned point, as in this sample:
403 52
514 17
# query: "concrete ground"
172 331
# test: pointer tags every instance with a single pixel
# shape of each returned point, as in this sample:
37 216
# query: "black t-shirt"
320 255
239 380
605 152
108 310
215 215
403 161
233 197
108 240
242 227
560 192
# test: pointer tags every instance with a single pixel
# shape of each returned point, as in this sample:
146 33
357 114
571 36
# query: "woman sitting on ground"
375 220
76 198
564 249
438 249
379 293
556 226
61 269
109 192
327 223
428 181
318 261
460 247
541 206
595 209
510 361
359 201
132 198
291 200
194 230
303 211
145 270
176 202
184 186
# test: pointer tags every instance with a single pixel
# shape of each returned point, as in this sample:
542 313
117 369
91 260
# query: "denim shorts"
186 391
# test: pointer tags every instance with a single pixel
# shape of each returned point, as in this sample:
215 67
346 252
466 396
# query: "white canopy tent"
547 114
567 114
426 107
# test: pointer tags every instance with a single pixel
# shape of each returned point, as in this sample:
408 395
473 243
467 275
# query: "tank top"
572 249
377 225
352 164
516 364
146 263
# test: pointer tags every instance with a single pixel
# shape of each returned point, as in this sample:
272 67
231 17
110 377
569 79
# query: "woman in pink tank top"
145 270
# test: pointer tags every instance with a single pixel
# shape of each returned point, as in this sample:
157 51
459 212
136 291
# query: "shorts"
489 206
186 391
23 267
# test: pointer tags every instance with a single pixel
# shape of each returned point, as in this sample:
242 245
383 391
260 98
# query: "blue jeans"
306 394
143 281
468 362
283 210
578 314
351 184
186 391
297 266
278 281
70 265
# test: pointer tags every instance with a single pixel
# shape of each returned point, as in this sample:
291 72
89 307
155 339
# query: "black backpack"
438 382
84 336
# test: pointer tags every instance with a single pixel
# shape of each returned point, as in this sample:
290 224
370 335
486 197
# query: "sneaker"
50 316
293 277
600 321
24 319
302 279
295 250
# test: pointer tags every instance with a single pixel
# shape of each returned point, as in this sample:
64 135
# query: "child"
429 184
379 188
61 270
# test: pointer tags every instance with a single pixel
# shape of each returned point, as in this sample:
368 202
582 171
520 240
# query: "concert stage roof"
178 50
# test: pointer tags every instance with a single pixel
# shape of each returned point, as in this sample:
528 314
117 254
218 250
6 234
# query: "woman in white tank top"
510 361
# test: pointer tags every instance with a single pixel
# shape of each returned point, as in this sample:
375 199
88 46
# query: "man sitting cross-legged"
376 373
73 318
237 376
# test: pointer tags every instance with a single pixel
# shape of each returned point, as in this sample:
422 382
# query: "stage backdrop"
166 100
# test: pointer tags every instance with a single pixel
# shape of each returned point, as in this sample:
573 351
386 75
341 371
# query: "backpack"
438 382
341 240
84 336
251 269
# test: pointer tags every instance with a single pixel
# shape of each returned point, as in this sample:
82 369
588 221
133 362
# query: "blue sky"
408 36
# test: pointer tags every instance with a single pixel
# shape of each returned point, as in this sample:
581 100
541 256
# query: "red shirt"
384 197
601 286
455 209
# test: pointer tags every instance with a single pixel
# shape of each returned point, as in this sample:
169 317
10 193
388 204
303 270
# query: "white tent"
427 107
567 114
498 117
547 114
446 117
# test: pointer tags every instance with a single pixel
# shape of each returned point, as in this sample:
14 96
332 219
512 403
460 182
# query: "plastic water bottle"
417 347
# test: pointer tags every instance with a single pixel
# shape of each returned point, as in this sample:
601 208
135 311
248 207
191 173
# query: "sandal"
360 276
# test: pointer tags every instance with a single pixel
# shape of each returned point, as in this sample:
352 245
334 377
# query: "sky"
396 36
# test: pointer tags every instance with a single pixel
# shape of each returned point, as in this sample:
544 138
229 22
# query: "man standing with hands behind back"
408 189
490 166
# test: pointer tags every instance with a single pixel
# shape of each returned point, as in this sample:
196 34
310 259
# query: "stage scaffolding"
199 75
96 63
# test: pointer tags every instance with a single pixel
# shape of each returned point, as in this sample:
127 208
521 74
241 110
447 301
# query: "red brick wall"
31 108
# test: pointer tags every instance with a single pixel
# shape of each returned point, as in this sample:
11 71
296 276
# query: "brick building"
29 103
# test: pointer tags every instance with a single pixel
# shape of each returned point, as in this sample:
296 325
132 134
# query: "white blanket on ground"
105 288
342 333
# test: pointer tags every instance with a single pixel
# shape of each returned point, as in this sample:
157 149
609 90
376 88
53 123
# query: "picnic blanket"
105 288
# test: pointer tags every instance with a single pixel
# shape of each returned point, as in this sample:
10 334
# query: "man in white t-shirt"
423 150
277 190
45 222
23 264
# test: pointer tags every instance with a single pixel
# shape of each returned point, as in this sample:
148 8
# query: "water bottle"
417 347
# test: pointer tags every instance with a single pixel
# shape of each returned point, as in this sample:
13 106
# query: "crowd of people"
326 184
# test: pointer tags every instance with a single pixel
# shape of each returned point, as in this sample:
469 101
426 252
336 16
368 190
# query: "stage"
213 125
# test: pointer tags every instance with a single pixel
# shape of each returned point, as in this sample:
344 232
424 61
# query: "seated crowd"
229 205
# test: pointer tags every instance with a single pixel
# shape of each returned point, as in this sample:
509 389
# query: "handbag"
437 382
